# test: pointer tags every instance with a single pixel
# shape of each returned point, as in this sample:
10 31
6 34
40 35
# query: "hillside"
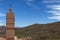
2 30
48 31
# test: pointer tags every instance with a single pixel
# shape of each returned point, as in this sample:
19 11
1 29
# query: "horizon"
32 24
28 12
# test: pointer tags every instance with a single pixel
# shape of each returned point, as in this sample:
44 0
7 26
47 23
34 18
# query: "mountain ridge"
36 31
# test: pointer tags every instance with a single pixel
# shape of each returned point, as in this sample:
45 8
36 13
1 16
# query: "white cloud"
29 4
30 0
54 12
54 9
55 17
1 24
51 1
32 4
53 6
1 14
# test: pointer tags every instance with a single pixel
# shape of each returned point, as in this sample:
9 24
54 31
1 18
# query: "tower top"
10 9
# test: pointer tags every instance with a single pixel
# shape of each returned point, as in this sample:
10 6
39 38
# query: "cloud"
32 4
1 24
54 12
57 7
30 0
29 4
1 14
55 17
54 9
51 1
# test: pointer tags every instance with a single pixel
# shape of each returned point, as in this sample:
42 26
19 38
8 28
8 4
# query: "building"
10 28
10 22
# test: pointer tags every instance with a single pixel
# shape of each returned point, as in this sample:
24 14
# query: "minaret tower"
10 24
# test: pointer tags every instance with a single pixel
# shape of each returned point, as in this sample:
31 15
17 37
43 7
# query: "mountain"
50 31
2 28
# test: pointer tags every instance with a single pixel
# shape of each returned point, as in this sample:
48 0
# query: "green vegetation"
2 33
40 31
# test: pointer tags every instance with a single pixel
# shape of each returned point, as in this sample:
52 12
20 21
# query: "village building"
10 28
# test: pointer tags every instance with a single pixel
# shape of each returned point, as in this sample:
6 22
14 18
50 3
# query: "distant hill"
2 28
49 31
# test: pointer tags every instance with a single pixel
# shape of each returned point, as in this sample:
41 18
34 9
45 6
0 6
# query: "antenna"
10 3
10 8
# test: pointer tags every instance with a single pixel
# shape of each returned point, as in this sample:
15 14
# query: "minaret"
10 24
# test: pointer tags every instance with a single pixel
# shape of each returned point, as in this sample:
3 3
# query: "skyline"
28 12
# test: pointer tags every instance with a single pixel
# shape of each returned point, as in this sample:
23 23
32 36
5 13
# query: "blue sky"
28 12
